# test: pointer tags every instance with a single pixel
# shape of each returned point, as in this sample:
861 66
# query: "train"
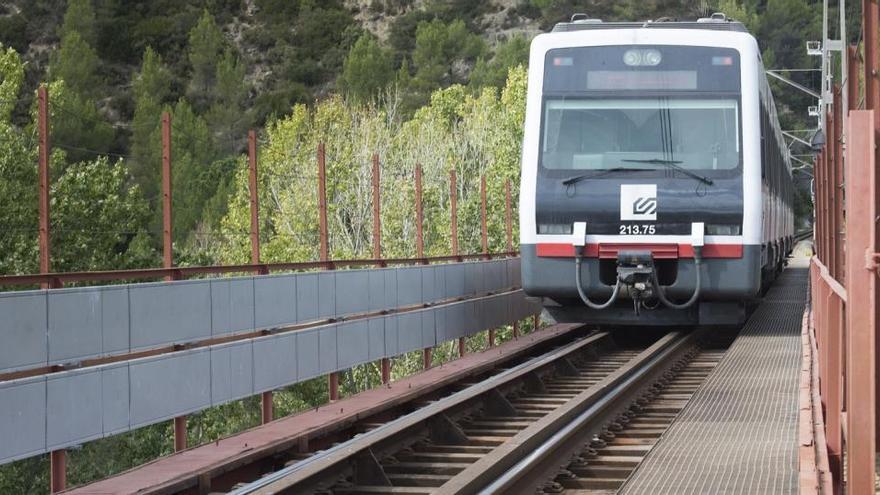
656 186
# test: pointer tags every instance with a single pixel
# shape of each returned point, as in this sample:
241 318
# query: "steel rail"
544 460
496 472
332 461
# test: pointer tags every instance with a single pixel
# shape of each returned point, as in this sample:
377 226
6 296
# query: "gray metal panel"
429 276
232 305
376 290
232 371
392 343
114 397
308 345
74 324
327 353
429 336
22 418
114 319
471 318
274 361
473 278
353 343
409 331
169 386
377 338
73 407
440 315
455 279
390 288
274 301
494 275
168 313
23 321
307 296
513 272
352 292
409 286
326 294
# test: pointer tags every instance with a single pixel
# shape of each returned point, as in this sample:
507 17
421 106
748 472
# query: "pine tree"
77 65
206 44
367 69
152 86
227 116
80 18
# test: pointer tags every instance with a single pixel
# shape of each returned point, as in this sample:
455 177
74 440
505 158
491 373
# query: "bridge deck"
739 433
182 470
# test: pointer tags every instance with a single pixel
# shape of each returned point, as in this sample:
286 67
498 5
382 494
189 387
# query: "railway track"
533 426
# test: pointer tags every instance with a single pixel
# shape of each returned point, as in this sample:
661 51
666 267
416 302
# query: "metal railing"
843 272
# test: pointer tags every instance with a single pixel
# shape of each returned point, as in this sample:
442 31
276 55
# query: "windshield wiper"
673 164
578 178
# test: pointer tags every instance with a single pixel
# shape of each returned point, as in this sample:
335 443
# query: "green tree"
80 18
76 63
96 215
367 69
152 87
192 169
206 44
227 116
440 48
509 54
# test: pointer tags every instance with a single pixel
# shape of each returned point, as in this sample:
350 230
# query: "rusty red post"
516 329
831 389
179 433
322 205
870 25
386 370
324 249
44 156
852 78
872 83
491 337
508 216
861 297
266 399
254 197
839 231
453 208
427 353
420 219
462 346
484 221
377 209
333 380
167 244
57 470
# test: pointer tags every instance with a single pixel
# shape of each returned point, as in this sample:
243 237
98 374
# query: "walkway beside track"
739 432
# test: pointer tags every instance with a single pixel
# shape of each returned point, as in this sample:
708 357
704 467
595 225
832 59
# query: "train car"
656 187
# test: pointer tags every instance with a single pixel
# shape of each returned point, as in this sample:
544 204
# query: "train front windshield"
641 108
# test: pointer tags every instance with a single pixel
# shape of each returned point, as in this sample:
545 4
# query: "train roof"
716 22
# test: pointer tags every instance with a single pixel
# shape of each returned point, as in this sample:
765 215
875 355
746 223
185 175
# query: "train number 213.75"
637 229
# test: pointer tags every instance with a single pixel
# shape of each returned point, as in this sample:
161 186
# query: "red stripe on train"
608 250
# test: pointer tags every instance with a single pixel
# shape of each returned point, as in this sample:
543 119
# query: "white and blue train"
656 186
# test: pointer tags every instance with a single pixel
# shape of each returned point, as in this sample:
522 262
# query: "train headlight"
642 57
554 228
632 57
652 57
718 229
